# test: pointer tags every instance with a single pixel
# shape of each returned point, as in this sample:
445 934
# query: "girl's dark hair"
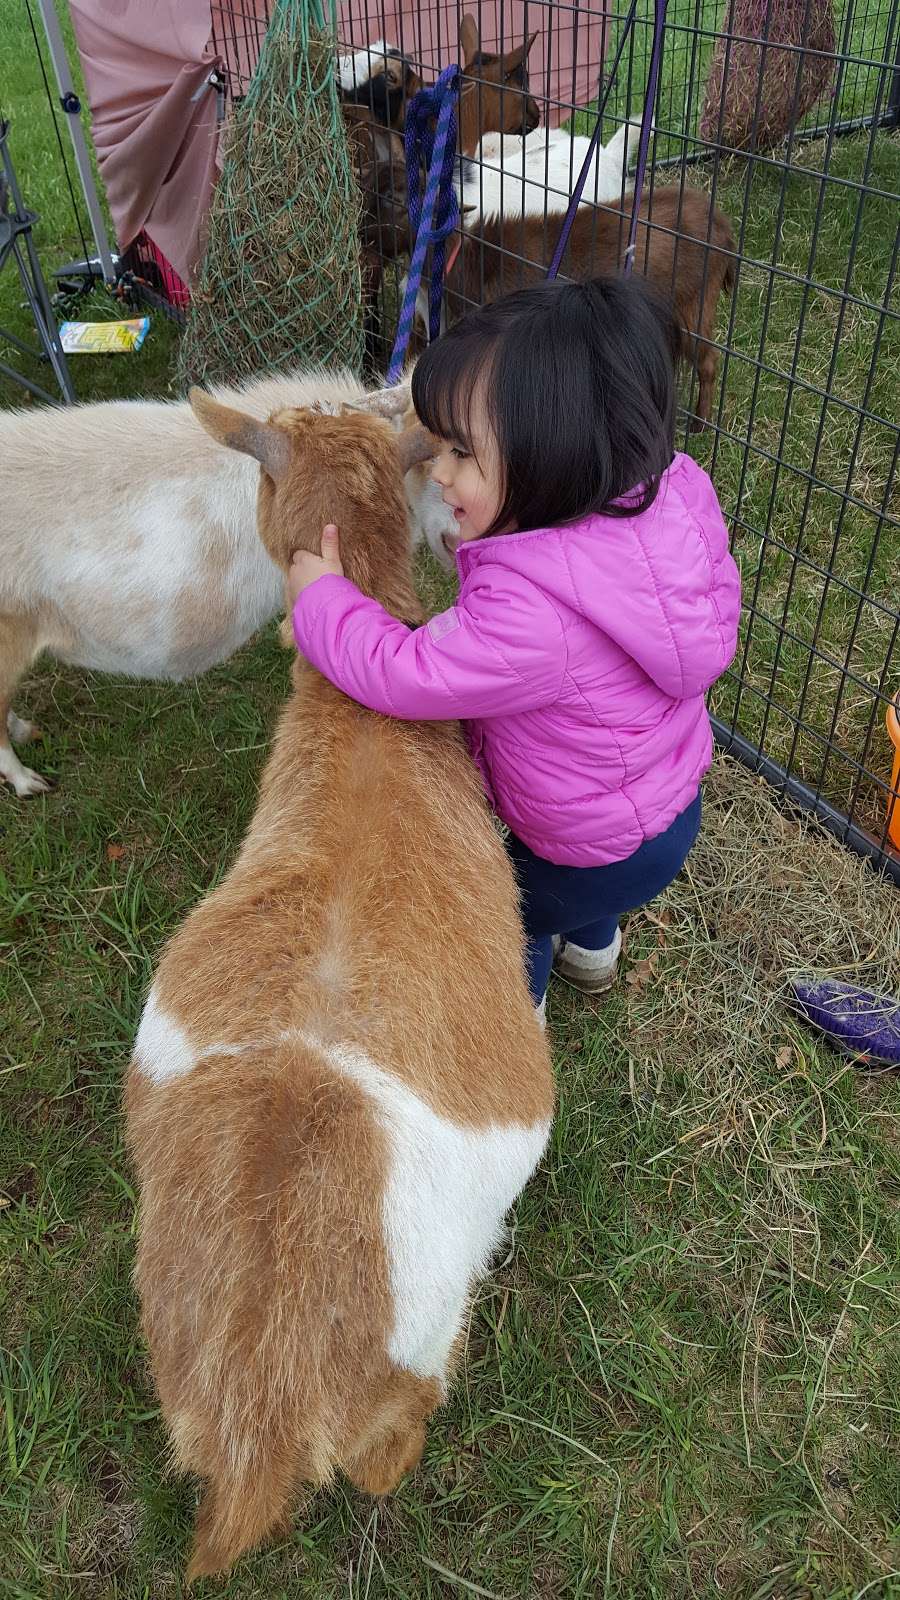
577 383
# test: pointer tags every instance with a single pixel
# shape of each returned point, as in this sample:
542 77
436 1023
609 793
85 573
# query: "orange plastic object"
893 728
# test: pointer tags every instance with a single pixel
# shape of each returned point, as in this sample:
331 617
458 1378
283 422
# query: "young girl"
597 604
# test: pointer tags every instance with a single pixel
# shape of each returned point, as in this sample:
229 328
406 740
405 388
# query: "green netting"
280 282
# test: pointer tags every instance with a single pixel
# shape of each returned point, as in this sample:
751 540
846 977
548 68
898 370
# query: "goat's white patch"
430 517
361 65
449 1189
162 1049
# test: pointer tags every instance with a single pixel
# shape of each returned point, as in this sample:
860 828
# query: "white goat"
509 176
129 544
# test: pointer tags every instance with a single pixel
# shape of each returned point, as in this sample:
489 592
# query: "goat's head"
494 96
381 80
318 467
381 172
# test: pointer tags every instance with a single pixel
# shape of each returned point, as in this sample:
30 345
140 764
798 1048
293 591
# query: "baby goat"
329 1119
380 78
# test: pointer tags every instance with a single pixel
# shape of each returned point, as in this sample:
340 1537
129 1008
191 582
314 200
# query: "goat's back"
682 243
132 534
339 1086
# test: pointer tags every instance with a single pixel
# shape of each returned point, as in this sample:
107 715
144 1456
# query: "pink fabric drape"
565 61
146 63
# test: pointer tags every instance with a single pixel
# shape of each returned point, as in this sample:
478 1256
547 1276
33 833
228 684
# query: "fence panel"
803 438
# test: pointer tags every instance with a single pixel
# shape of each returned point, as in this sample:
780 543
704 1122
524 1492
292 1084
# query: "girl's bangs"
445 381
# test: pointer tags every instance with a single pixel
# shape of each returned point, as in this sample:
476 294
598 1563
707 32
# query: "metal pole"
893 111
71 105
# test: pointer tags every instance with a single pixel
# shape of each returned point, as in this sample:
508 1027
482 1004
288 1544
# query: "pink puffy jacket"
578 656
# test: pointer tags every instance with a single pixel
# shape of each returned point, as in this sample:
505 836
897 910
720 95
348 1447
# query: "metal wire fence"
787 116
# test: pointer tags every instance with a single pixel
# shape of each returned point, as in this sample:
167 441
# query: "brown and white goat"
494 95
685 246
128 539
329 1119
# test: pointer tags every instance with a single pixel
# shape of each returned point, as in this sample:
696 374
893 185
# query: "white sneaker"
591 971
540 1012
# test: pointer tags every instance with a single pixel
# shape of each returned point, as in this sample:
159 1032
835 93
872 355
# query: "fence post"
892 118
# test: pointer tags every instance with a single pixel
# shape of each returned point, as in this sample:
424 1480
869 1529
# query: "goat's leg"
394 1437
707 365
691 351
19 644
699 349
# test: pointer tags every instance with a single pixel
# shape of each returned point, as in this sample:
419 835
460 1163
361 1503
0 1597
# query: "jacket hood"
652 582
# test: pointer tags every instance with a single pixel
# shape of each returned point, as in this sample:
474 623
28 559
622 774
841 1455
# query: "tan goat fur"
339 1084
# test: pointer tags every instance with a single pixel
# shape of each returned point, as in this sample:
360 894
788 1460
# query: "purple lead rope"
434 217
646 124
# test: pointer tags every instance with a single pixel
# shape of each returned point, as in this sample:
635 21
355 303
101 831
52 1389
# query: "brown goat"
494 95
685 246
329 1118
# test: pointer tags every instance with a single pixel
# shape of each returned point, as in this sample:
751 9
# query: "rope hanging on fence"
433 218
659 28
280 283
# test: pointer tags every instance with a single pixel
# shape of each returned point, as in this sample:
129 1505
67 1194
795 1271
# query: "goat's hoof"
20 731
25 782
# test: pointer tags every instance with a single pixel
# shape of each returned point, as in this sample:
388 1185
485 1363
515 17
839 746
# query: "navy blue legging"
585 903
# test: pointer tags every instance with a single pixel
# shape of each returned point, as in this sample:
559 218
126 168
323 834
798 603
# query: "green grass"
36 153
686 1380
691 28
684 1383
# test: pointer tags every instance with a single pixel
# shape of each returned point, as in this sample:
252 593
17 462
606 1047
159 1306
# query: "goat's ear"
469 38
515 58
415 445
383 402
270 446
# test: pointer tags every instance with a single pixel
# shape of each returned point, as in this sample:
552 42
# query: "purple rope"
659 28
432 218
646 121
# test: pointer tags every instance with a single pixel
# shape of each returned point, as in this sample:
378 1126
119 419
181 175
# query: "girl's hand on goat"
306 568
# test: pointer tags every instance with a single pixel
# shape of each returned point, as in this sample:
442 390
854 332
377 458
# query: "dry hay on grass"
766 894
280 283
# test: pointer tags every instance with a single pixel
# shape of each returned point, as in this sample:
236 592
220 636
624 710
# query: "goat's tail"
235 1514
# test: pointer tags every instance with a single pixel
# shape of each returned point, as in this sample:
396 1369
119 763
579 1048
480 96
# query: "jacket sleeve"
500 650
